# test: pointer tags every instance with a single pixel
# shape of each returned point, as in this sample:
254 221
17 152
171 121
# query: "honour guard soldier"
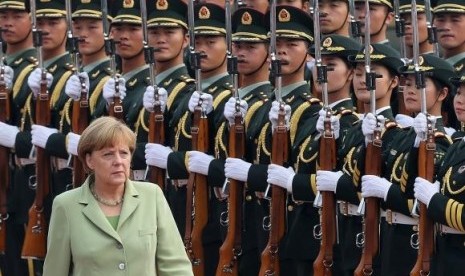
346 183
20 58
300 4
449 18
381 15
300 245
400 167
334 17
445 199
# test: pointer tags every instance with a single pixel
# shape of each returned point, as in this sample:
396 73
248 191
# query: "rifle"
400 33
80 118
370 235
432 30
116 107
231 248
355 32
35 240
322 266
156 118
197 188
279 155
426 150
4 151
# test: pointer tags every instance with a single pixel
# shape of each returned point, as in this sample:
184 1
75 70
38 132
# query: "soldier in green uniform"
445 200
216 90
346 183
15 134
449 18
381 15
94 65
167 32
301 246
126 30
400 167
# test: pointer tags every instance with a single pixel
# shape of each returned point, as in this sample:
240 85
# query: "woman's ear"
443 94
395 82
89 161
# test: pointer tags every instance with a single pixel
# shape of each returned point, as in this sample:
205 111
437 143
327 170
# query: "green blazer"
81 241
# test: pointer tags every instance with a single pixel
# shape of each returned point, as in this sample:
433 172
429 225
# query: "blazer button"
121 266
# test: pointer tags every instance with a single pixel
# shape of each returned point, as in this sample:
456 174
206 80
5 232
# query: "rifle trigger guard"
224 218
33 182
414 242
266 223
360 240
423 273
317 232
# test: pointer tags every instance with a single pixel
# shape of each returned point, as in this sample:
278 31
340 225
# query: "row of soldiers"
299 102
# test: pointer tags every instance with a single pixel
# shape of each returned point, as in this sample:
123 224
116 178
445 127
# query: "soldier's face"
250 56
451 28
128 38
90 33
379 16
293 55
169 42
300 4
259 5
214 48
422 29
412 95
384 84
334 15
54 32
16 25
459 103
338 72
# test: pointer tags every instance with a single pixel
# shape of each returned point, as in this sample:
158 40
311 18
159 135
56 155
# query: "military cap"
380 54
87 9
50 8
435 67
248 25
126 12
166 13
458 80
378 2
405 6
449 6
19 5
338 45
292 23
209 20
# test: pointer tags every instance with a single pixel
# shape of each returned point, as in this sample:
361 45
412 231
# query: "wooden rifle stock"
79 122
36 232
279 155
231 248
116 106
426 225
157 135
371 217
322 266
4 160
197 197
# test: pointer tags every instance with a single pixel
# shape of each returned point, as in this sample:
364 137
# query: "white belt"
138 175
348 209
179 182
449 230
25 161
60 163
398 218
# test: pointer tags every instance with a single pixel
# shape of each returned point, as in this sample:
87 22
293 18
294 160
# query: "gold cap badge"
246 18
284 16
85 1
162 5
127 4
204 13
327 42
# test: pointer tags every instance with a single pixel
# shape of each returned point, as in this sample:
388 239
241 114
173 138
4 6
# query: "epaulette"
108 71
186 78
263 96
390 124
313 100
442 135
147 81
228 86
69 66
32 60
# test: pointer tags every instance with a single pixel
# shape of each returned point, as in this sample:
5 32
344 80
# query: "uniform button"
119 246
290 208
248 197
121 266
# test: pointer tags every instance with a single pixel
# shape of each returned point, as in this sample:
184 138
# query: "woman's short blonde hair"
104 132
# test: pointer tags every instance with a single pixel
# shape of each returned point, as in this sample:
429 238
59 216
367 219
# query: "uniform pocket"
148 231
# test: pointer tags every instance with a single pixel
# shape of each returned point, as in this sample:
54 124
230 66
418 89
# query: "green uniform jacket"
81 241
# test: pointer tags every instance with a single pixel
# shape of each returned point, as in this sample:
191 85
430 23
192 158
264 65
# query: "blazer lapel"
130 204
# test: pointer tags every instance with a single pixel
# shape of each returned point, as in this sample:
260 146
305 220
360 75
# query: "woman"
445 200
112 224
395 186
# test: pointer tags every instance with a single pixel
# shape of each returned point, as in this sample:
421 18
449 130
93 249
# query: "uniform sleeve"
171 257
216 176
177 165
23 145
447 211
304 187
58 260
257 178
56 145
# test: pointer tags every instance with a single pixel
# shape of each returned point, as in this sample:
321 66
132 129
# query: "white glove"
230 109
425 190
199 162
8 135
207 102
157 155
281 176
72 144
335 124
8 76
237 169
420 126
109 89
149 98
40 135
375 186
404 120
327 180
274 112
34 81
73 85
369 125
